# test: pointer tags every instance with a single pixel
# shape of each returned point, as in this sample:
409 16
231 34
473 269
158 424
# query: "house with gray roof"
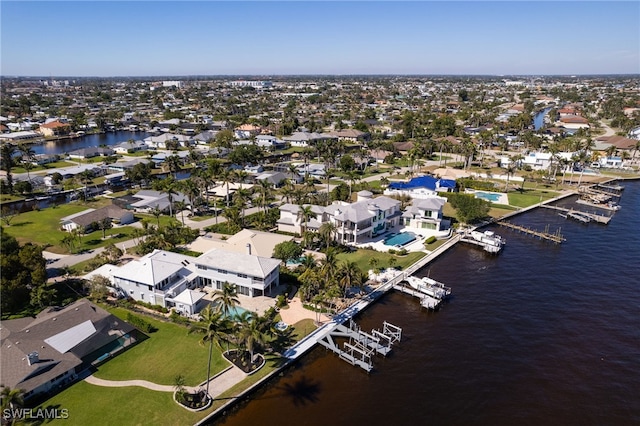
88 219
43 354
425 214
365 218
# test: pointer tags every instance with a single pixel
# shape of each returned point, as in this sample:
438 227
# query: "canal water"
539 334
538 119
63 146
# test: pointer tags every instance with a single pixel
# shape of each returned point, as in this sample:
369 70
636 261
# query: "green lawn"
43 227
530 197
96 405
165 354
361 258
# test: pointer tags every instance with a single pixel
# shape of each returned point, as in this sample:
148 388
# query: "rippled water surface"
540 334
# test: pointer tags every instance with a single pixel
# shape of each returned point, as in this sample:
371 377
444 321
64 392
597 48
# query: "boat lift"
361 346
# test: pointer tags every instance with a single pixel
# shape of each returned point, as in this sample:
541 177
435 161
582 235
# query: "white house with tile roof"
252 275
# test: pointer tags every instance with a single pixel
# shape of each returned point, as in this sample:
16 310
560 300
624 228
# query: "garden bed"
242 360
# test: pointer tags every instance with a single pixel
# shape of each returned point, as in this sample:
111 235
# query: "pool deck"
501 197
377 243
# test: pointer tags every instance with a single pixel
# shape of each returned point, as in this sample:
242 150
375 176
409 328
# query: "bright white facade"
424 214
165 278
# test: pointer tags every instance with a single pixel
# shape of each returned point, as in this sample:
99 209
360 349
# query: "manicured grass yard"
43 228
96 405
530 197
361 258
168 352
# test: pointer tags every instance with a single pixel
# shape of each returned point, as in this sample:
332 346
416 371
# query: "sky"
178 38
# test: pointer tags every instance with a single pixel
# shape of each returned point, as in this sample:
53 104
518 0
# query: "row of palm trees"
219 325
329 280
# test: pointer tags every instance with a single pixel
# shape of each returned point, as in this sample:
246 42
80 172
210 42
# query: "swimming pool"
401 239
234 312
489 196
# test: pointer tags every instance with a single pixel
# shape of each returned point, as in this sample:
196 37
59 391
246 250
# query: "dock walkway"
593 216
543 235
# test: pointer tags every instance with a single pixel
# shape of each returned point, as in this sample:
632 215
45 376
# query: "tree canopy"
23 270
469 209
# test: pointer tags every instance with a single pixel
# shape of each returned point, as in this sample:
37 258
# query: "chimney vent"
32 358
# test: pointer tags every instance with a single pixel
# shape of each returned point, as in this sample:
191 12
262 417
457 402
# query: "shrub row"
140 324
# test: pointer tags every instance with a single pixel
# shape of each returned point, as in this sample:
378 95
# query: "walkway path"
219 383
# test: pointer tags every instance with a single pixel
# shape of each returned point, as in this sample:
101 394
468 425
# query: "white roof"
240 263
189 297
262 243
68 339
154 267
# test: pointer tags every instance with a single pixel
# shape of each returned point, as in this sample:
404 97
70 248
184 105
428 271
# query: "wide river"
541 334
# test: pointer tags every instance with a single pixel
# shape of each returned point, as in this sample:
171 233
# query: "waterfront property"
41 355
354 222
167 279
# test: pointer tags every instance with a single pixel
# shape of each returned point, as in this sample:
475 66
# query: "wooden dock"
556 237
593 216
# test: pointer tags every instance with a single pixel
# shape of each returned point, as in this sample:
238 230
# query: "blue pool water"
400 239
489 196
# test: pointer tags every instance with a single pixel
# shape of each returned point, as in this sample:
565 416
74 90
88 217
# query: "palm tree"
7 162
28 154
350 276
167 186
181 206
329 265
250 333
226 298
12 399
212 327
305 213
327 232
173 164
156 212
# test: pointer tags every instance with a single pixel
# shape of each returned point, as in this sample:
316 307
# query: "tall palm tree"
329 265
27 154
350 276
11 399
167 186
327 232
7 162
212 327
250 333
226 298
173 164
305 213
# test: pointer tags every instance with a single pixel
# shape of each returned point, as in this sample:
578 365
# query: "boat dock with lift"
358 347
430 292
575 214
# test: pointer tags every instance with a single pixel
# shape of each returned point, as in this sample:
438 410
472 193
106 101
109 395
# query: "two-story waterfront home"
425 214
167 279
354 222
363 219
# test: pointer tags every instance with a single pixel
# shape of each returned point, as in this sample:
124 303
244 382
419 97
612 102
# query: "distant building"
172 83
257 84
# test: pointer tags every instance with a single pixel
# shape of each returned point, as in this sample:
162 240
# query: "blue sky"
150 38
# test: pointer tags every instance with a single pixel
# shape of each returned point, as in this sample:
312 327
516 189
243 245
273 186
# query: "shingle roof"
26 335
254 266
